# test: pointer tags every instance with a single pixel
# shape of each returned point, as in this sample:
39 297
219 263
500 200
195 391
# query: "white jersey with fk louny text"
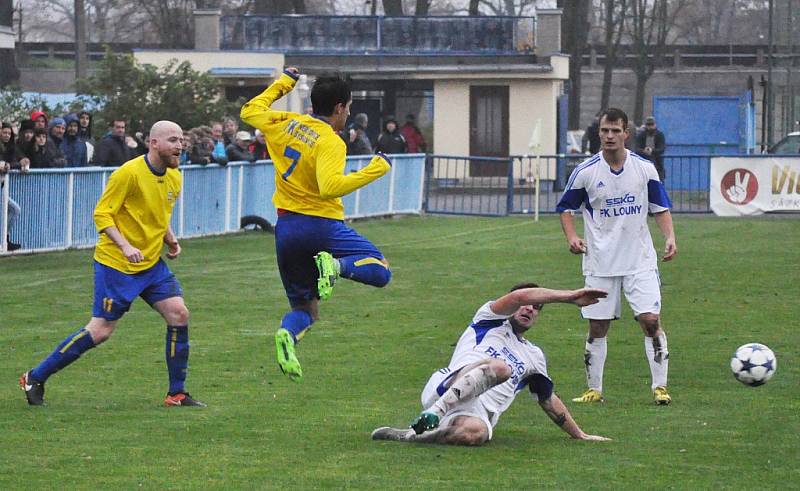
615 208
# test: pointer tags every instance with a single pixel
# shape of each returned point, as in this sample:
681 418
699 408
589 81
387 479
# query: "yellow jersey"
139 203
309 156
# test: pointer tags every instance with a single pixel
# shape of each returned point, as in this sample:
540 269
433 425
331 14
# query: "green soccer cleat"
661 396
328 272
591 395
287 361
425 422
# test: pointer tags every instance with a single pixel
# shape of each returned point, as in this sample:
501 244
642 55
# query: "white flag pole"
535 146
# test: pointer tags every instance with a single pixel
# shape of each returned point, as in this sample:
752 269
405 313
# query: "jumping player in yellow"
313 244
133 217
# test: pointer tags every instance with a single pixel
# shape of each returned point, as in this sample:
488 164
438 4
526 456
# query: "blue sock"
177 353
68 351
364 269
297 323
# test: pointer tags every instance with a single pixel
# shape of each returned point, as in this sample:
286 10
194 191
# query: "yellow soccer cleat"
661 396
591 395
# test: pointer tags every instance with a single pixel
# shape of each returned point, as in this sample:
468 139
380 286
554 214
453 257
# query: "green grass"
366 361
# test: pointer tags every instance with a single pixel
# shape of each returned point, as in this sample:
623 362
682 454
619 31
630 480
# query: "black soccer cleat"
34 391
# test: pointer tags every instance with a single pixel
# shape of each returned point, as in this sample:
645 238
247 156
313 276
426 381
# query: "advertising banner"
752 186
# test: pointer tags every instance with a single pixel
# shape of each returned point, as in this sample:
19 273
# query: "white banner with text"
752 186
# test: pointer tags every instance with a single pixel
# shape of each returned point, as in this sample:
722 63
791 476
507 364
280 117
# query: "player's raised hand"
588 296
293 70
174 249
133 254
670 249
577 245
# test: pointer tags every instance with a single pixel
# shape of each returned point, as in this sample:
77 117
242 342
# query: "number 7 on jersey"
295 156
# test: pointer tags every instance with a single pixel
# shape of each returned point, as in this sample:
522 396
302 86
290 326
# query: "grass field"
366 361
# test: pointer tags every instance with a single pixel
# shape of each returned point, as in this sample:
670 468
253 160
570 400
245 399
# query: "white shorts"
475 408
642 291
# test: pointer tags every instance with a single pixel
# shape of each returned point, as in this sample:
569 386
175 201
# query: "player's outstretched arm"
558 412
510 302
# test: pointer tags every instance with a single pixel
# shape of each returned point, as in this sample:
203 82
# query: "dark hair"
39 131
520 286
328 91
615 114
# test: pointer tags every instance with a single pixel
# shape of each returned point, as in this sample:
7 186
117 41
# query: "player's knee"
179 316
650 323
474 435
383 277
501 370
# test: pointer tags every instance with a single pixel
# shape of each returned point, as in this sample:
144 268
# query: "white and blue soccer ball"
753 364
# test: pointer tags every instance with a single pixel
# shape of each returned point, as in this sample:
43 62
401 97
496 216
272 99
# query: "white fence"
57 205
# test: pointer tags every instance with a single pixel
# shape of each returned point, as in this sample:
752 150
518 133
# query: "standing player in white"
491 364
617 189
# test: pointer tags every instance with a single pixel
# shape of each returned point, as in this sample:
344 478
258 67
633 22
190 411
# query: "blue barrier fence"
502 186
58 204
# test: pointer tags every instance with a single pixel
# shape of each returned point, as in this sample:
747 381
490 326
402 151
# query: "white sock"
595 359
471 385
658 357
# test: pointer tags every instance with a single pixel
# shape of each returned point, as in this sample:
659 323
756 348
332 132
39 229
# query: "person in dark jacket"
358 143
85 126
73 146
8 146
650 144
57 129
42 153
239 150
391 140
112 151
591 137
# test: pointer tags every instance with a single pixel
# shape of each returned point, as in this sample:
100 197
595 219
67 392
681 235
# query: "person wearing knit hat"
57 128
39 119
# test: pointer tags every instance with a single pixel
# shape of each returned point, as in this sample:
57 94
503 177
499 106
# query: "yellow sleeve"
112 199
330 172
257 112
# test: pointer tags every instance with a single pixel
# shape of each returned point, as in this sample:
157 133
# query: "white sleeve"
486 313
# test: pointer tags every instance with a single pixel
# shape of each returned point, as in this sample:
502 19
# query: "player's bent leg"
472 381
465 430
366 269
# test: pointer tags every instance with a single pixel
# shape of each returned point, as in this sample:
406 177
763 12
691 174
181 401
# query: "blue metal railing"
502 186
58 204
379 35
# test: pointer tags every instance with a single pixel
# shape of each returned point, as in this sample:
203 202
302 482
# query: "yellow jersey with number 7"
309 156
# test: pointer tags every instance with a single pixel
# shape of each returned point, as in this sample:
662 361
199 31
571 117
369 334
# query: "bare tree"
422 7
649 25
574 28
8 63
614 22
393 7
80 39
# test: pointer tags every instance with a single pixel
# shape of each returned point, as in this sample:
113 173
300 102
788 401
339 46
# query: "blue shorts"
114 291
299 237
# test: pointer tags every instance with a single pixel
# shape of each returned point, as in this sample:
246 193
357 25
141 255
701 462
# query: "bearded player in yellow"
314 246
132 218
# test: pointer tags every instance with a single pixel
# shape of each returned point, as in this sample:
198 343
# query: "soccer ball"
753 364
